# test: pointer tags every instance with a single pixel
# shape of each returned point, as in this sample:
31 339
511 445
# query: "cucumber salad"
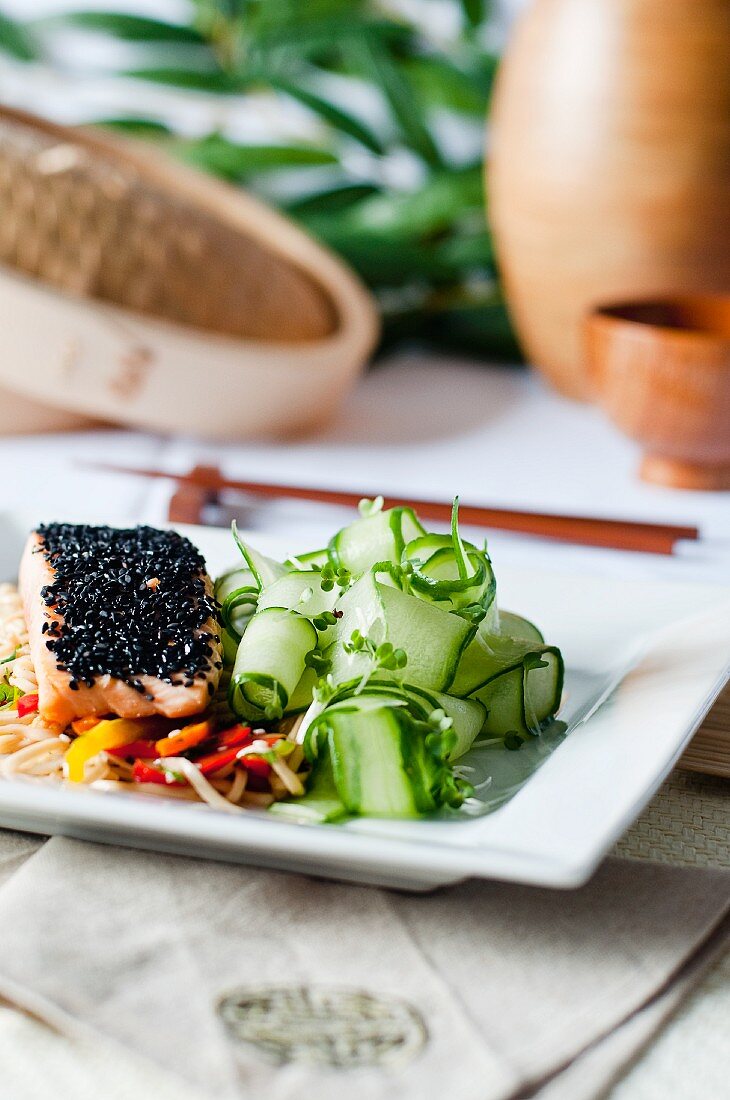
386 658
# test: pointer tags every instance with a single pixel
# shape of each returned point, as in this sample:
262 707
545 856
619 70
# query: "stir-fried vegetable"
107 734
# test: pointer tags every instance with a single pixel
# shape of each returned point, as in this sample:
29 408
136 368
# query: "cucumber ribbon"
390 641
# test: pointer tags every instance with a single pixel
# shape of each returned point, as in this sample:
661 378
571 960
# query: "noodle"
197 780
238 786
34 749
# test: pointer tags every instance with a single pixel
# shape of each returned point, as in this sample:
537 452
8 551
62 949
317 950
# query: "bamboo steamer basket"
609 165
136 291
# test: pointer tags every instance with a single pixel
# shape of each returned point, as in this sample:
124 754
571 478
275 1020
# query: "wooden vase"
609 164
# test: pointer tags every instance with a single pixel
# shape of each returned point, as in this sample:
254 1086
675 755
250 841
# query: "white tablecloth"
414 426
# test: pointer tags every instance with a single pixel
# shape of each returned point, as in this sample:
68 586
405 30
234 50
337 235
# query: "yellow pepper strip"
107 734
184 739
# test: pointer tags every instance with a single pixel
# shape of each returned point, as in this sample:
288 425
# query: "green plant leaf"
332 201
131 28
328 33
392 81
441 201
341 120
226 158
17 40
202 80
475 12
440 83
136 127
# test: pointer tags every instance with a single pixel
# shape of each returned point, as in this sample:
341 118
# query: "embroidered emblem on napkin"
323 1025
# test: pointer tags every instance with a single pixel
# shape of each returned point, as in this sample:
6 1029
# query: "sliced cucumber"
515 627
237 609
468 716
236 591
375 538
372 728
320 804
385 763
543 688
312 559
486 657
525 693
270 663
440 575
432 638
240 576
367 763
303 693
264 569
504 701
300 591
230 643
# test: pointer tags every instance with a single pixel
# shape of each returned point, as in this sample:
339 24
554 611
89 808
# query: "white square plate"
644 662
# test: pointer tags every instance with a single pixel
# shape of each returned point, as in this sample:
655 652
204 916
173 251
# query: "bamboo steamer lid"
137 291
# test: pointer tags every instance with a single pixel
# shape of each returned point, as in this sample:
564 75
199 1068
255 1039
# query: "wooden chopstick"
654 538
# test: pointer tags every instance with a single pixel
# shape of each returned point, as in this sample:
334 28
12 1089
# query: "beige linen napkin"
478 992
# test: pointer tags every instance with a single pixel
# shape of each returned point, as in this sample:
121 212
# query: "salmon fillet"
120 622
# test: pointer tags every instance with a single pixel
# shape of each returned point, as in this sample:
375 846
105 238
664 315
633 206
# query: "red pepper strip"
27 704
145 773
142 750
256 765
214 761
236 735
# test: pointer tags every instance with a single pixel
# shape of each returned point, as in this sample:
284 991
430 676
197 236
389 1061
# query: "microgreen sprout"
325 689
316 659
10 657
330 576
370 507
441 739
327 618
383 656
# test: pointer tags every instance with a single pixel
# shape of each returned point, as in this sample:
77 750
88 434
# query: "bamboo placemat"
688 821
709 751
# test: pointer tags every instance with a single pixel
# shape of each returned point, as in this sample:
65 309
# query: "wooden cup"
661 370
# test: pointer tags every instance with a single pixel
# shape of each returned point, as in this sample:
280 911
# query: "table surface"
429 428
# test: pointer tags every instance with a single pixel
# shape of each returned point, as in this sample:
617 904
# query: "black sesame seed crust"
113 621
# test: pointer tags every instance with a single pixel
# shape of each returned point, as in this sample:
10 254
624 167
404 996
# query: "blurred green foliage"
395 188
